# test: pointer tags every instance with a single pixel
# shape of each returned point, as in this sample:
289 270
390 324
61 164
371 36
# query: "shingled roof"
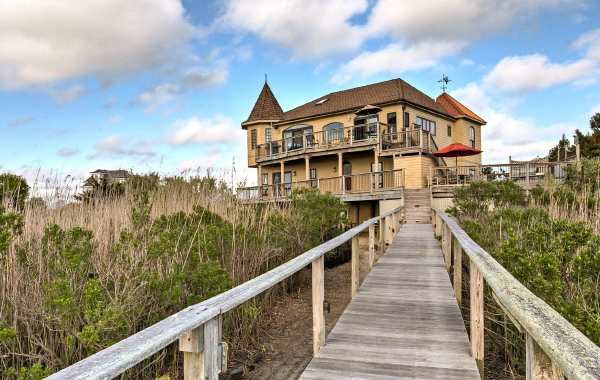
390 91
457 109
266 107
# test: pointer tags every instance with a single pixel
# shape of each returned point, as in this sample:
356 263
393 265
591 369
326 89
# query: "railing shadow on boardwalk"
554 347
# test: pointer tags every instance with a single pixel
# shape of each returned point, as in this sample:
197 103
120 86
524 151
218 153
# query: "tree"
100 190
561 151
595 123
14 190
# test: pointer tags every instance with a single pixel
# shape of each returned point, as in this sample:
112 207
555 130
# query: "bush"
479 197
14 190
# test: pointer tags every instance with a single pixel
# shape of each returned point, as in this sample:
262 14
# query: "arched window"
334 132
472 137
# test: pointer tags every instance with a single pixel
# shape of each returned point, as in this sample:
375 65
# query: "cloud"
67 152
536 71
158 95
49 41
199 78
308 28
192 79
505 134
69 94
20 122
115 146
210 131
453 19
397 58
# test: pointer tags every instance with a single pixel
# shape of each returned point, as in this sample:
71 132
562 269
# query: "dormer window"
318 103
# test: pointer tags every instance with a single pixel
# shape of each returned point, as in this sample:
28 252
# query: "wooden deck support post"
212 348
457 271
355 266
539 365
477 316
381 235
371 246
448 247
192 346
318 297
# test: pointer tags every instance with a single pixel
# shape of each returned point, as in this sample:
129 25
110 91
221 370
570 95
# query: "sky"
163 85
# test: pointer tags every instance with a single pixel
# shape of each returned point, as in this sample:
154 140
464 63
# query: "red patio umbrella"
456 150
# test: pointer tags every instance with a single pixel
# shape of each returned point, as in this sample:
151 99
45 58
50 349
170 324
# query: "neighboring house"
361 140
109 176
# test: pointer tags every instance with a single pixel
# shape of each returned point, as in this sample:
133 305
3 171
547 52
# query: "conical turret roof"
266 107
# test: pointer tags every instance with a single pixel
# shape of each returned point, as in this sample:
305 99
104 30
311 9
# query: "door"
347 173
265 184
277 184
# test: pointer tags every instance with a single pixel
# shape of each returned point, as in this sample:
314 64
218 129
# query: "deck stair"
417 206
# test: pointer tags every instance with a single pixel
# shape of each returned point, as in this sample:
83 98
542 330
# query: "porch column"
340 162
259 175
281 169
307 167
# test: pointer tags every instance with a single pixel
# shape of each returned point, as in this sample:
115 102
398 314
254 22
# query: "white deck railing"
554 347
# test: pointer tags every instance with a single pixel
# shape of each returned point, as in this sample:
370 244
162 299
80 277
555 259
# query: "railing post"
539 365
351 135
382 235
355 266
371 182
371 246
457 278
421 138
527 174
477 316
192 346
318 297
447 245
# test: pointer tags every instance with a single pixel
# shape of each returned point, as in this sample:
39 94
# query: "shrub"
14 190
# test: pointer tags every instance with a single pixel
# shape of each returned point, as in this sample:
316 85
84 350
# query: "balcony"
346 137
374 184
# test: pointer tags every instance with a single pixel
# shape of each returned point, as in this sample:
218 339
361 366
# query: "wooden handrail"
201 322
548 333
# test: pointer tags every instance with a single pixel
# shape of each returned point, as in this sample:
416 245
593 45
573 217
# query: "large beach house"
370 144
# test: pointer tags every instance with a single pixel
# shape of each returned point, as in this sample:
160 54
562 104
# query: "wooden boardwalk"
404 323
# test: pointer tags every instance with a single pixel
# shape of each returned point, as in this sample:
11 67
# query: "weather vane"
444 82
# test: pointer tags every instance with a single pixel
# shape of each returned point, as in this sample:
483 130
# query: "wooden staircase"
417 206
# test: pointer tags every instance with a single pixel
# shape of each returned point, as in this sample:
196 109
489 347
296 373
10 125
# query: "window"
472 137
334 132
294 136
391 122
406 121
268 135
265 179
426 125
253 139
449 131
313 177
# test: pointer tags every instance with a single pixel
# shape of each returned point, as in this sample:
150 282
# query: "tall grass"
77 278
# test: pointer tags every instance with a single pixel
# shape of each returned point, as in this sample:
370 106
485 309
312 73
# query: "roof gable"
266 107
457 109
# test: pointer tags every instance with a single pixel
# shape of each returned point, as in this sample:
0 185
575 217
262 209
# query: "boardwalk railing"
554 347
363 183
198 327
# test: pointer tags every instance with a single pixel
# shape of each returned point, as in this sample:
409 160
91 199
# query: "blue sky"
164 85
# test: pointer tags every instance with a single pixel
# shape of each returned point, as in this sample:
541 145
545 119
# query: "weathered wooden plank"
355 266
404 322
567 347
212 352
192 346
457 278
371 246
318 296
539 366
477 315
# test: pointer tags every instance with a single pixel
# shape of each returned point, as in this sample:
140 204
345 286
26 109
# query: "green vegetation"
79 278
13 191
548 240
